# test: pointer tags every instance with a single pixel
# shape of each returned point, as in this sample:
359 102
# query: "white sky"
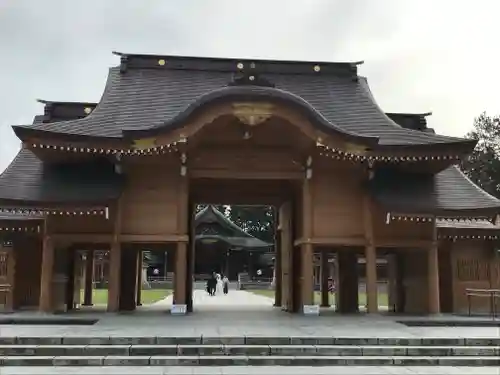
420 55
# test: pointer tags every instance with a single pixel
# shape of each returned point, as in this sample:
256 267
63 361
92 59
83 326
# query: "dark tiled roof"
467 224
447 193
412 121
239 237
9 216
63 111
28 180
143 98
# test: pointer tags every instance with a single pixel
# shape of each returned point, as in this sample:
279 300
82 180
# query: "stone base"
178 310
311 310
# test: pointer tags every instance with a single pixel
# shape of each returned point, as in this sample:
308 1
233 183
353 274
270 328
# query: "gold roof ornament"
140 144
253 113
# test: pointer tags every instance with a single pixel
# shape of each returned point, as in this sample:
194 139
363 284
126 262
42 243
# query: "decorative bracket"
141 144
252 114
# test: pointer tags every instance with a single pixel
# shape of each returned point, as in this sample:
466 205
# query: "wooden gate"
6 279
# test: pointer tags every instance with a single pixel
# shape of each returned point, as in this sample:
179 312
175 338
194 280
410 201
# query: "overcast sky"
420 55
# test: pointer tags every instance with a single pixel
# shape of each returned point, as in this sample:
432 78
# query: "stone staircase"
247 351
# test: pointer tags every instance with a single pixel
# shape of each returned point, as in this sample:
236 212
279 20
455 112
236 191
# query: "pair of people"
216 283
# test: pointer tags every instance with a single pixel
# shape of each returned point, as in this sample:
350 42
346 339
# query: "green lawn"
148 296
382 297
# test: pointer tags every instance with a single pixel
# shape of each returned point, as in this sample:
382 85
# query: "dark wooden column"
347 288
307 254
70 286
115 262
128 280
138 293
370 253
181 253
392 287
89 272
285 225
47 274
325 278
278 277
433 273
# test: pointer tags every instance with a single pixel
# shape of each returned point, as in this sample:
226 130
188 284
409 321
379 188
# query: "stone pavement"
214 321
261 370
236 298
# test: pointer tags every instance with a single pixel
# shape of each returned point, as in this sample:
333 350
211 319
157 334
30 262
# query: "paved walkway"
243 370
235 298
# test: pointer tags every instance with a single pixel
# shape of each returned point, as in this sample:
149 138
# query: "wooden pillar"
307 256
70 272
370 254
47 275
433 274
347 287
89 272
128 280
392 287
277 264
138 293
285 232
325 278
180 274
115 262
181 253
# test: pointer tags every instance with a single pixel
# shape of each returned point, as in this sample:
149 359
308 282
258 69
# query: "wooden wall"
415 281
399 229
337 200
84 224
28 259
149 202
473 266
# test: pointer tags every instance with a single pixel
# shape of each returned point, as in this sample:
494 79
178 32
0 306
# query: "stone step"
249 340
246 350
313 361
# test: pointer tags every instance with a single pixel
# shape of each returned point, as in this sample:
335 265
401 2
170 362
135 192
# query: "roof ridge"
243 59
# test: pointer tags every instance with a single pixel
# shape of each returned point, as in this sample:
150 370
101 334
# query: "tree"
483 165
255 220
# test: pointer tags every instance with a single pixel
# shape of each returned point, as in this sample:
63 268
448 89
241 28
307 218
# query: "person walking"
225 284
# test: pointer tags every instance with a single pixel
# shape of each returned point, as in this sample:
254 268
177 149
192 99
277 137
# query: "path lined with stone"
261 370
235 298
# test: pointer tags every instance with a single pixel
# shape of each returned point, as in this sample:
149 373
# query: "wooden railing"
491 294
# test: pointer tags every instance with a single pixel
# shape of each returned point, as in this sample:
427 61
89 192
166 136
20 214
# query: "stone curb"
246 350
248 340
313 361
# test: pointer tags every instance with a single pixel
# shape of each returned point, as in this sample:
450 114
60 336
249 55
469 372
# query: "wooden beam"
402 243
154 238
322 242
247 175
94 238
